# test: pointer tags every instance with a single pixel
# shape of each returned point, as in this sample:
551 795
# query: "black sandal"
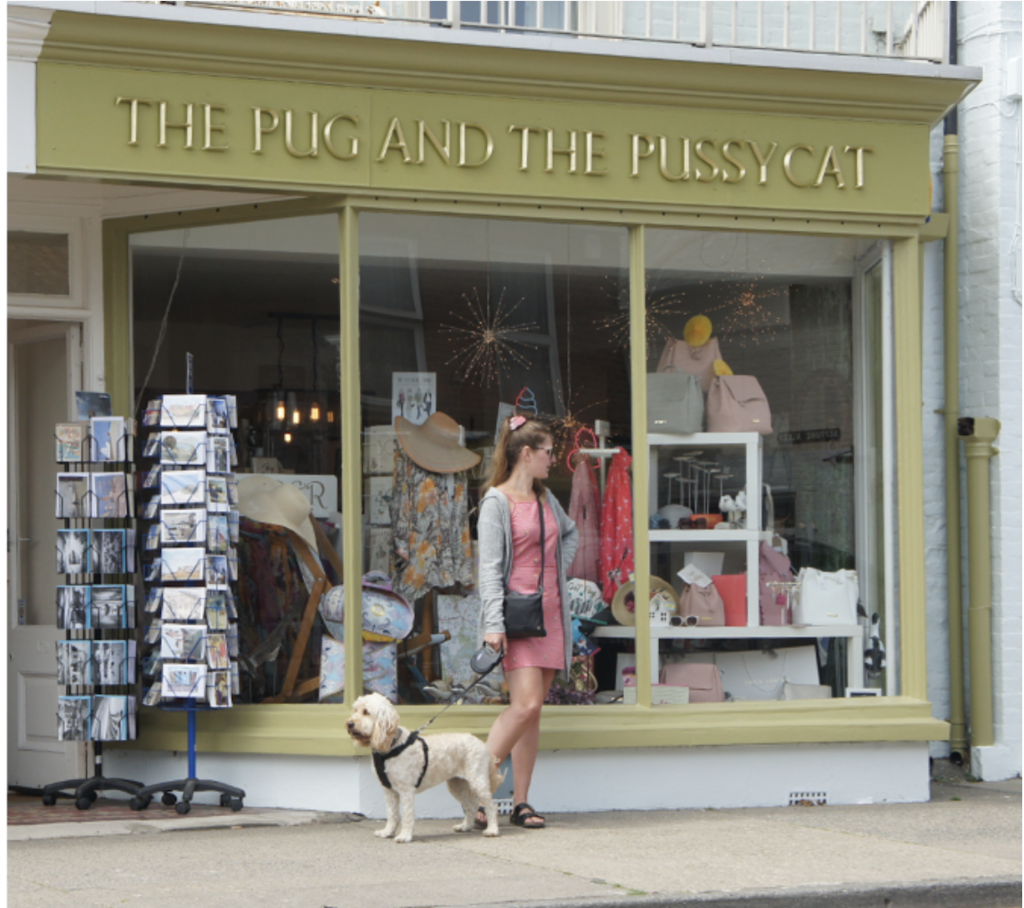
480 823
523 812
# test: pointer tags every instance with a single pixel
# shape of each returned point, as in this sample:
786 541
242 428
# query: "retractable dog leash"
480 654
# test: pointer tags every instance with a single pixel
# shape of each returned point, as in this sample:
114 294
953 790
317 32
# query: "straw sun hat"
435 444
623 605
282 504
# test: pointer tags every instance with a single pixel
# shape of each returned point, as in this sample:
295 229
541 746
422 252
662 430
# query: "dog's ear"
385 724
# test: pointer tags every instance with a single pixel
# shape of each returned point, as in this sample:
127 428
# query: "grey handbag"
675 402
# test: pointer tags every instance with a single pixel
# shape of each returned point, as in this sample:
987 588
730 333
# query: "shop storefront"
549 230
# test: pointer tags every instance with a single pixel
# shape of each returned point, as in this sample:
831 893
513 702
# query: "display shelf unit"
748 539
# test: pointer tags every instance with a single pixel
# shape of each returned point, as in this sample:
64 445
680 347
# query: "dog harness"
380 760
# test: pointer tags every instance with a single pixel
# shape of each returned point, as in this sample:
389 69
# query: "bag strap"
543 556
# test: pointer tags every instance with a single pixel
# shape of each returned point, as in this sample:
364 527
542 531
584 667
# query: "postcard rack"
190 514
96 557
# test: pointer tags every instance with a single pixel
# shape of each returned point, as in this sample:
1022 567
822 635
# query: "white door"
43 373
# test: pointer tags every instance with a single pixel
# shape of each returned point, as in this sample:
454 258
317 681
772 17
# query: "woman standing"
511 560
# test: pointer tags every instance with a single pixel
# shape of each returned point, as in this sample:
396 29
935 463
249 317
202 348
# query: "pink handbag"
699 361
704 603
772 566
703 679
736 403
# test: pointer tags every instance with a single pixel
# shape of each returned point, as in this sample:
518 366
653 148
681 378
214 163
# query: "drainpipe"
951 279
954 577
979 450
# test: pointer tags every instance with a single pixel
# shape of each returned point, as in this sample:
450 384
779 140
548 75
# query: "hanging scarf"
617 561
430 522
585 512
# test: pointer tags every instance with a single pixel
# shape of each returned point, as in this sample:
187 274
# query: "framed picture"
413 395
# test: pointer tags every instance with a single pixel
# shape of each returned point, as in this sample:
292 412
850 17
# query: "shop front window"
464 322
257 307
752 390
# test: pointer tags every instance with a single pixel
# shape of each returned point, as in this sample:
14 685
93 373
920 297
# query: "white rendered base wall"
577 781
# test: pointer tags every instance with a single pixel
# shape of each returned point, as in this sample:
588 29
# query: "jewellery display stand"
191 532
700 493
96 604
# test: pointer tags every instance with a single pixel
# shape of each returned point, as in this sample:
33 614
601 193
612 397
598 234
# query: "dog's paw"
403 838
491 832
384 833
464 826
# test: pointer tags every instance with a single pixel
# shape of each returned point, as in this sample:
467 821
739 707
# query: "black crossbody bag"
524 614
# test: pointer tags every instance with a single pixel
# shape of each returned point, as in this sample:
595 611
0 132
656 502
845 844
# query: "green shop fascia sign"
246 132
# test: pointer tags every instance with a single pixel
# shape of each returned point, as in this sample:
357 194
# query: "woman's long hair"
531 434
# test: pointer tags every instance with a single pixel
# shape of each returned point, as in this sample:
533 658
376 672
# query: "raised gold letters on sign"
353 146
164 125
488 145
741 170
524 143
259 130
699 149
830 168
590 153
663 159
787 163
133 117
445 151
314 135
395 141
552 151
638 154
859 150
762 161
209 127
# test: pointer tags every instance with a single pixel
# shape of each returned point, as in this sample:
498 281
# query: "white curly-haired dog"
407 764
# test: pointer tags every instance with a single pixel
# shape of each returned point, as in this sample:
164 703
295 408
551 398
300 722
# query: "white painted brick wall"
990 346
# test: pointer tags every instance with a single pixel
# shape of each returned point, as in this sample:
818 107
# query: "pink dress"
547 651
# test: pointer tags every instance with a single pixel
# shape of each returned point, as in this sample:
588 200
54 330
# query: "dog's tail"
496 776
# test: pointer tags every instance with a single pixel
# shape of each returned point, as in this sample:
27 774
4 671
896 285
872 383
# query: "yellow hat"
721 367
697 331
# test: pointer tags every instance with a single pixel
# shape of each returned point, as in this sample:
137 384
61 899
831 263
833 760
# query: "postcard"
182 565
152 415
74 552
109 718
236 680
232 402
217 571
218 415
152 697
218 689
413 395
153 632
183 411
110 662
151 509
151 664
152 478
71 442
183 449
183 487
217 493
183 680
92 403
108 439
217 651
217 610
73 612
232 480
183 642
73 714
154 599
108 607
73 495
219 452
219 537
233 526
232 564
109 551
152 446
152 541
232 607
74 662
232 635
183 604
183 526
109 495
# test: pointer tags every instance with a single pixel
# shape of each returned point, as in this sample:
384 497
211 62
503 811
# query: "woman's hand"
496 642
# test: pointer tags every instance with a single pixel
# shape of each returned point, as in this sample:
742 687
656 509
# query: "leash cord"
459 698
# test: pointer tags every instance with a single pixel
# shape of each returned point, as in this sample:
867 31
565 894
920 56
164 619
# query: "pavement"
962 849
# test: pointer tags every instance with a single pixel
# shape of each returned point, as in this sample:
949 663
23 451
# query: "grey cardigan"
494 531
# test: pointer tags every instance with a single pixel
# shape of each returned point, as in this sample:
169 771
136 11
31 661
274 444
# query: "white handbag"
757 675
826 598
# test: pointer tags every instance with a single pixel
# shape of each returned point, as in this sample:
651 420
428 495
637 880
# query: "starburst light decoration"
659 307
489 339
741 314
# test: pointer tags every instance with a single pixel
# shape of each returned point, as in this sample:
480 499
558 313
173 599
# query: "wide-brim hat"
281 504
435 444
625 596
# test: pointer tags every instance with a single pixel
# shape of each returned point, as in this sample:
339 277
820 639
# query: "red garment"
617 561
585 512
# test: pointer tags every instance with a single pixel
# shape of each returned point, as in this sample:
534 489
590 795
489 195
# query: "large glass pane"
497 312
256 304
751 409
